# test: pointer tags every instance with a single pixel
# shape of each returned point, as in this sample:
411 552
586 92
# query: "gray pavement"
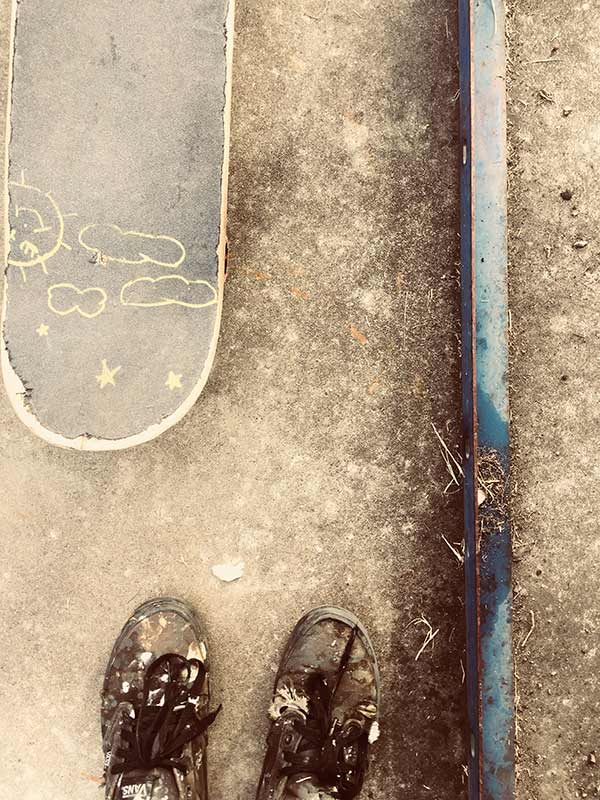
310 454
555 374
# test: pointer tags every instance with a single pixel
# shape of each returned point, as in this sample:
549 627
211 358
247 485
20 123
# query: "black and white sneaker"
155 706
325 711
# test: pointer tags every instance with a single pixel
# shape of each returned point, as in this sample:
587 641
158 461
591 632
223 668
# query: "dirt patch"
492 485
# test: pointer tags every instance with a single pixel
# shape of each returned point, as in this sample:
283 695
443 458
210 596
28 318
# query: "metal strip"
488 556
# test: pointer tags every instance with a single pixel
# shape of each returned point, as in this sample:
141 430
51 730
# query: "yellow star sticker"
107 375
42 330
173 381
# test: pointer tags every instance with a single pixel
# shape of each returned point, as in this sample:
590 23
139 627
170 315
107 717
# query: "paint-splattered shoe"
325 711
155 706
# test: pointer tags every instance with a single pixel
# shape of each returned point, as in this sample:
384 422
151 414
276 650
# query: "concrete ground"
310 455
555 137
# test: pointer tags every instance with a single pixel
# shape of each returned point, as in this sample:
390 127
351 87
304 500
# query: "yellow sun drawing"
36 227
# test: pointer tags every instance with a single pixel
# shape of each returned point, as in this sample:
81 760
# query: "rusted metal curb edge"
488 552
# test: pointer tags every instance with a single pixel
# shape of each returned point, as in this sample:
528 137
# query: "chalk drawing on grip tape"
110 243
37 227
167 290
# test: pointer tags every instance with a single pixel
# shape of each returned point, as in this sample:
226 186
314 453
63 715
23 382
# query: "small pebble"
566 194
566 111
580 244
592 758
574 212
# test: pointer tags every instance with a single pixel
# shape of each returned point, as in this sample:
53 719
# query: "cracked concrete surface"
310 454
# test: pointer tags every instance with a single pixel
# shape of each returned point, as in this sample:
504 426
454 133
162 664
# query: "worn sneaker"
325 711
155 706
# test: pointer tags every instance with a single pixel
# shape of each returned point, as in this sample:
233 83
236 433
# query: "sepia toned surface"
310 455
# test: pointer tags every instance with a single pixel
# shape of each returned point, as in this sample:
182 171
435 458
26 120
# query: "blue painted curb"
484 304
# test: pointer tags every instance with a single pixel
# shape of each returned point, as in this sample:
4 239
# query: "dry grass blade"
429 636
542 61
457 554
453 465
530 631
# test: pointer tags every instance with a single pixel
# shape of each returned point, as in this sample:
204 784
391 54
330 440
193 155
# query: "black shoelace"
157 734
335 755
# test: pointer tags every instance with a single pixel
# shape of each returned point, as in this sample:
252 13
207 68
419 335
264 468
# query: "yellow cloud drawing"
112 243
65 298
168 290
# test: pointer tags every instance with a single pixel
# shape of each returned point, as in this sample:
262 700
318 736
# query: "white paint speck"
374 732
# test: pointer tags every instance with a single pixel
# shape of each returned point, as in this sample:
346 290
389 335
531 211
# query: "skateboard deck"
116 199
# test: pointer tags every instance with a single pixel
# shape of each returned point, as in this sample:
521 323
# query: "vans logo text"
136 791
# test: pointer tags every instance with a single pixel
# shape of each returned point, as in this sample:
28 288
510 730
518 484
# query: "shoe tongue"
159 784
